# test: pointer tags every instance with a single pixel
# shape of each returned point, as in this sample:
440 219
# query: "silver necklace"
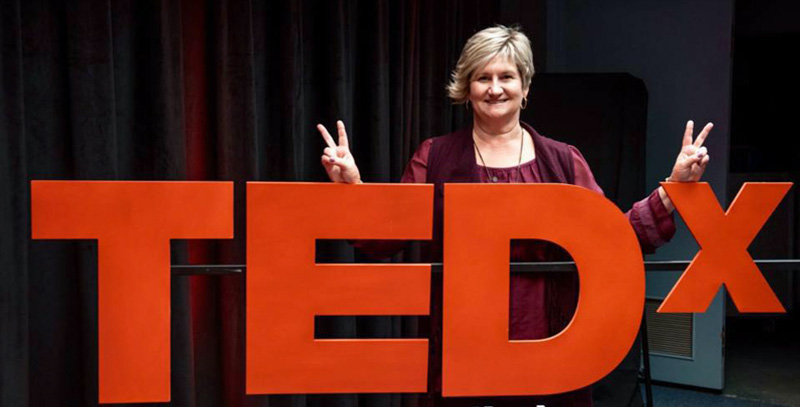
489 175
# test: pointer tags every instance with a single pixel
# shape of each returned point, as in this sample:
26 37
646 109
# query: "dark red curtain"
207 90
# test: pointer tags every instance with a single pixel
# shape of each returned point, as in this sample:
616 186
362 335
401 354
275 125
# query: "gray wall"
682 51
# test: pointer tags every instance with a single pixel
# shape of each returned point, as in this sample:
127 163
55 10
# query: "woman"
493 78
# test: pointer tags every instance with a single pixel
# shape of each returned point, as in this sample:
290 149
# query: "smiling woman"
492 77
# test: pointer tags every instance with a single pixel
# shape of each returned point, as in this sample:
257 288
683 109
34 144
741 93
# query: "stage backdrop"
218 90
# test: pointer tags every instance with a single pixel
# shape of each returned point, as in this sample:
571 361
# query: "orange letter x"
724 238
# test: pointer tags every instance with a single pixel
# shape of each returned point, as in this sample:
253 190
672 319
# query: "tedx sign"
134 222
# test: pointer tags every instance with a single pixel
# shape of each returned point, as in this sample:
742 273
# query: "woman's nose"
494 87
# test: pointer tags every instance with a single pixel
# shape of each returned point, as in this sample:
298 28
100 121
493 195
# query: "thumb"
691 160
340 162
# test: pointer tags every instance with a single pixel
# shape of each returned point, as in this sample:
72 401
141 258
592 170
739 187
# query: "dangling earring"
524 103
466 104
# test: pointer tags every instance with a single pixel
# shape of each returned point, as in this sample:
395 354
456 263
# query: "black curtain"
217 90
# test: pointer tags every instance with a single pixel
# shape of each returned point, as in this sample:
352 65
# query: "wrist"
662 193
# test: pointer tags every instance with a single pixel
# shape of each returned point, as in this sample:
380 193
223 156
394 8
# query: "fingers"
704 161
332 170
342 134
331 163
694 158
331 159
327 136
688 133
690 161
703 134
699 168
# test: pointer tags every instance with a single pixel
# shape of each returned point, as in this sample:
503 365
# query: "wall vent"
669 334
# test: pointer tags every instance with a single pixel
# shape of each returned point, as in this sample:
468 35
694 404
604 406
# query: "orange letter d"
480 221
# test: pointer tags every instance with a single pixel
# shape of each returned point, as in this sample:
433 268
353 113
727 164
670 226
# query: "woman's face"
496 90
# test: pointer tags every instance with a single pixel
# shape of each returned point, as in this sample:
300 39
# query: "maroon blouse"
651 221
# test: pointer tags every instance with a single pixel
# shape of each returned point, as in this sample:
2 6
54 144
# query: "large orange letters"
480 220
286 289
133 223
724 238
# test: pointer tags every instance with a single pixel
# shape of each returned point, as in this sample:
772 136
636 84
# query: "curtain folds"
214 90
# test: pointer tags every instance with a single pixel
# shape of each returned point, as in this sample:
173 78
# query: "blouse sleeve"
417 169
416 172
651 221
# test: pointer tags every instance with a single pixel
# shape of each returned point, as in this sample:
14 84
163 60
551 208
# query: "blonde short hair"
481 48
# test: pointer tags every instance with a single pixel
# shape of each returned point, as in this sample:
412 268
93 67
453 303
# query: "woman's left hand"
693 158
691 162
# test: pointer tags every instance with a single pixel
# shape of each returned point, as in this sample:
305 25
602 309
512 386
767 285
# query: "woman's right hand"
337 160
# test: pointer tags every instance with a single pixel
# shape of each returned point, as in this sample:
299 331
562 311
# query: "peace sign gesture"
337 160
693 158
